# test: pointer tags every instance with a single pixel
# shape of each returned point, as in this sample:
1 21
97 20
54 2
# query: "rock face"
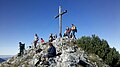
70 56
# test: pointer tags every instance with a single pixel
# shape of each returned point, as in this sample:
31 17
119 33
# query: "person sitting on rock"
42 41
51 51
55 36
51 38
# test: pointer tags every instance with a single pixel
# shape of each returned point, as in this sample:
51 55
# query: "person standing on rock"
65 33
22 48
73 29
68 30
55 36
36 38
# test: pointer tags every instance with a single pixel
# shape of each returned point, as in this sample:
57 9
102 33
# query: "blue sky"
20 19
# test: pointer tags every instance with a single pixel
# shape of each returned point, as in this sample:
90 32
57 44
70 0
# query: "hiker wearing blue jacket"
51 51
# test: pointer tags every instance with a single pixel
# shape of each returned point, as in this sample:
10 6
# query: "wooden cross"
60 19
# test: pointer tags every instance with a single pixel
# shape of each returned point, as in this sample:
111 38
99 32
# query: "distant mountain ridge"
1 60
5 57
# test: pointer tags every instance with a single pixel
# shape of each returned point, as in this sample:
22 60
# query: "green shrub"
100 47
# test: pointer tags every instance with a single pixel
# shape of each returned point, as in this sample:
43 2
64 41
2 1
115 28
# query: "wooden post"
60 19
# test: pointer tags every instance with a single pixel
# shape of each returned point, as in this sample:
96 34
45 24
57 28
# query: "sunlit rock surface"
72 56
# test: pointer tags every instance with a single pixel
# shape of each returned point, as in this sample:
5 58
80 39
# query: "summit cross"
60 19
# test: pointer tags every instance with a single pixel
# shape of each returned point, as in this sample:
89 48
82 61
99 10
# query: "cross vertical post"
60 19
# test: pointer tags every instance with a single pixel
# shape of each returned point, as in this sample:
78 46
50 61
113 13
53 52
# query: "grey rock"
71 56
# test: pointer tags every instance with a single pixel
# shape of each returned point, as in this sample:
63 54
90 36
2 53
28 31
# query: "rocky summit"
68 55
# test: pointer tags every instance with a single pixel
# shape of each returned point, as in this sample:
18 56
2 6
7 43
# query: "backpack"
75 29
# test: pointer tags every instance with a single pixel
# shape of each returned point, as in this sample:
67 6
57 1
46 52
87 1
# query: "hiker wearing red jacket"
68 30
42 41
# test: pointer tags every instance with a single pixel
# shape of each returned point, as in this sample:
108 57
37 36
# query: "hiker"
73 29
36 40
22 48
55 36
68 30
60 34
51 38
51 51
65 33
42 41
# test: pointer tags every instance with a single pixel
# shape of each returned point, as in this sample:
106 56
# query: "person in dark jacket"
36 40
22 48
51 51
51 38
